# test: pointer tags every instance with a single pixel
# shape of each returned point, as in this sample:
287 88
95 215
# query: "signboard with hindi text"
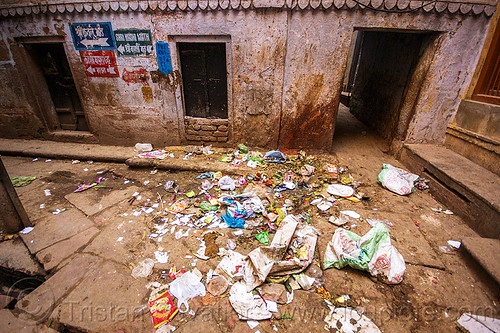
100 63
92 36
133 42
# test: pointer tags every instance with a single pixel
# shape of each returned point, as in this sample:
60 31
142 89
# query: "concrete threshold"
65 150
469 190
118 154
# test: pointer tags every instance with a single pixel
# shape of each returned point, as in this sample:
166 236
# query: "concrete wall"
285 74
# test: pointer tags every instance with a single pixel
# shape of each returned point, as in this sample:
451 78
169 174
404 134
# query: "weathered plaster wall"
257 42
318 45
285 71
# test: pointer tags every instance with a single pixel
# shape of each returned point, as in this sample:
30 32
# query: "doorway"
379 75
204 77
51 60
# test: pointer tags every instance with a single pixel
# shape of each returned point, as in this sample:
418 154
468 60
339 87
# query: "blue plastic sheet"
275 156
233 222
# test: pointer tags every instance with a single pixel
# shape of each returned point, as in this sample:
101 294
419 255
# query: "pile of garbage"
277 198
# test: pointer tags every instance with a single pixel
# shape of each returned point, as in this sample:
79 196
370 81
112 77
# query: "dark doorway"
204 77
379 77
51 58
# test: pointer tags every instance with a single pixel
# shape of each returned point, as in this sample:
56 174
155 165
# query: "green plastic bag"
263 237
373 252
207 207
22 180
243 149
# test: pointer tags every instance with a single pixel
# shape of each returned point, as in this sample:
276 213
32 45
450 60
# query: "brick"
222 128
208 128
193 138
220 134
222 139
191 132
209 138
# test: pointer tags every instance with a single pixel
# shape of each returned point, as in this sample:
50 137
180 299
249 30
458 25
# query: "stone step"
469 190
486 251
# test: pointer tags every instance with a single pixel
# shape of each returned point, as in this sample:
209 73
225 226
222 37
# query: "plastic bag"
144 269
263 237
243 149
143 147
226 183
275 156
397 180
373 252
185 287
246 304
340 190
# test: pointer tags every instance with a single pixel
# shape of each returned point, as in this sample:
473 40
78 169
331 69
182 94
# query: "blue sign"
92 36
163 56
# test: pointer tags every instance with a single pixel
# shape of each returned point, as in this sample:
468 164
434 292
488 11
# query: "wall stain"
312 121
169 82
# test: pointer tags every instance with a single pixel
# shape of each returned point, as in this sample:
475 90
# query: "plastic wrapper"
87 186
144 269
373 253
274 156
263 237
397 180
162 310
158 154
340 190
177 207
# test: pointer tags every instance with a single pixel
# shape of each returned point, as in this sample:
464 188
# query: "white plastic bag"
143 147
226 183
184 288
397 180
246 304
144 269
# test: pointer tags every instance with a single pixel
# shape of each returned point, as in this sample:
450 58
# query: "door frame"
39 91
176 68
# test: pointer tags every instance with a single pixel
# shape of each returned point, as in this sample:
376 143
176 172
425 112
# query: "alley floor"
87 244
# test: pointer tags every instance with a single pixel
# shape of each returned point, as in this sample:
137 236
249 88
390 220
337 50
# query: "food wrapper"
162 309
177 207
332 168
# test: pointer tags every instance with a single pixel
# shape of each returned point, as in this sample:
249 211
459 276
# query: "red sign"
138 76
100 63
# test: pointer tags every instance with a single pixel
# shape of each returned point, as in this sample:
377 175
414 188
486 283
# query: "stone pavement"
90 248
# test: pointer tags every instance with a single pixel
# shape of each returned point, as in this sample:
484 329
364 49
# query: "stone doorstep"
65 150
10 323
40 303
486 252
466 188
52 256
